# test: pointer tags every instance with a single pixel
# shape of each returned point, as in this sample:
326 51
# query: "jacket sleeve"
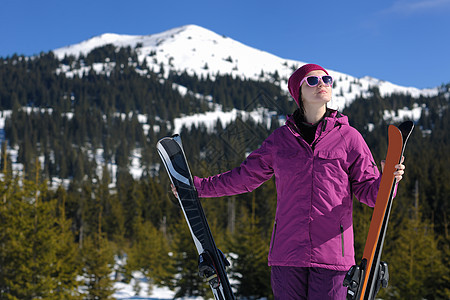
364 175
253 172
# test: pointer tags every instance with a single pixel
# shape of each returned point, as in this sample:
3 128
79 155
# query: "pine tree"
67 266
150 255
35 262
415 263
6 164
249 262
98 259
97 253
187 283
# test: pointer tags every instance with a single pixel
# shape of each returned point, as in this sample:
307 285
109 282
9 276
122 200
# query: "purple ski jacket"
313 223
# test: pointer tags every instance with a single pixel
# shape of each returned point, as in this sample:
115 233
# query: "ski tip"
160 141
406 128
167 140
175 136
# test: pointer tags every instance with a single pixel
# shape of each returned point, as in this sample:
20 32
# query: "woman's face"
316 95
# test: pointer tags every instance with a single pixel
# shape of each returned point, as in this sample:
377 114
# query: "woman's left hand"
400 169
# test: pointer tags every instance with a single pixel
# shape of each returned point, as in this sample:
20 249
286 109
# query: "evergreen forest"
75 217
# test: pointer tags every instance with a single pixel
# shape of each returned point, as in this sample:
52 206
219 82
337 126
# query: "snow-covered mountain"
198 50
195 49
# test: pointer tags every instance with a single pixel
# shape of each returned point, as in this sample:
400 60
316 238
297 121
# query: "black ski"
212 262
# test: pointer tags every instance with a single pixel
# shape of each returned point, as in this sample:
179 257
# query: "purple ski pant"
292 283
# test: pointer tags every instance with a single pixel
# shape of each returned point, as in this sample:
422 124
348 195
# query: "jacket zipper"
323 128
342 239
274 234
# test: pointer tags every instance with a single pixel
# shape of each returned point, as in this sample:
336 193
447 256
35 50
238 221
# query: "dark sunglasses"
314 80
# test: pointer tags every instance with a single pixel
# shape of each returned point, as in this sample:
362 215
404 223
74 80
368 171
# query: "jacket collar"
335 118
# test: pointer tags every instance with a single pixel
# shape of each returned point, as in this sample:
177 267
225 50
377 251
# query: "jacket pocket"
342 240
333 161
333 154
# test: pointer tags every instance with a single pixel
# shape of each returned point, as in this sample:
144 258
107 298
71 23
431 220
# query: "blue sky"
406 42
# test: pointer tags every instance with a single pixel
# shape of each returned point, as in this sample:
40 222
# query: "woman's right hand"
399 169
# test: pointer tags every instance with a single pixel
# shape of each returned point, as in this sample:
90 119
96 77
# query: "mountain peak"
197 50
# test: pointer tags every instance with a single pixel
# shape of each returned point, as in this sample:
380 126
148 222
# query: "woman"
319 161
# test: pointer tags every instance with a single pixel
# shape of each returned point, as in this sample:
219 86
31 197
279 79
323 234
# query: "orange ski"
364 280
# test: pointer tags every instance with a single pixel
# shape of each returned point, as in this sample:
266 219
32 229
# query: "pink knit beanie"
297 77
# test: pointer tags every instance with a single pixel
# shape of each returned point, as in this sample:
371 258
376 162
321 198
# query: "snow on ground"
404 114
138 287
209 119
127 290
